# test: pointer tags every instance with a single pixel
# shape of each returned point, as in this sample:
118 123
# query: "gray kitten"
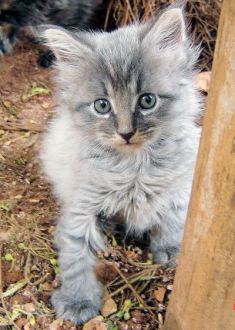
124 141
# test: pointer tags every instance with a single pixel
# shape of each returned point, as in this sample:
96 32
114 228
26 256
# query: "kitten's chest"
130 183
132 194
129 188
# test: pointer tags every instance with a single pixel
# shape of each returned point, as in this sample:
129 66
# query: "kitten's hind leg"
80 295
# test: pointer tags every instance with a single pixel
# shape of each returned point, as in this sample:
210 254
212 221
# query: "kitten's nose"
127 136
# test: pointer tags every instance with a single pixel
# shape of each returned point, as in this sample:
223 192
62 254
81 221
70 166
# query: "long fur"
94 171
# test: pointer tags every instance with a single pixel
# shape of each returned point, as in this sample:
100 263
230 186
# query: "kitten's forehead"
119 60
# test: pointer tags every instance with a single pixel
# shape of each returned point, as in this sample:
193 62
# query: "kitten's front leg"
78 238
165 243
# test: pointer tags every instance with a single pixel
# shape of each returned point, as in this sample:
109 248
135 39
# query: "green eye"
102 106
147 101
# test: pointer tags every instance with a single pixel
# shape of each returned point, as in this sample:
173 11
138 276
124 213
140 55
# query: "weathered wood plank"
204 289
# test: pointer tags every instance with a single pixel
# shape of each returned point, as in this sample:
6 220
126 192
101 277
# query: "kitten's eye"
102 106
147 101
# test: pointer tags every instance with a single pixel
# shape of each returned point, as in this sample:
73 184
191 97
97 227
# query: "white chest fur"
144 193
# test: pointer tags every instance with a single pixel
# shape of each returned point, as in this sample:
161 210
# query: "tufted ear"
65 45
168 31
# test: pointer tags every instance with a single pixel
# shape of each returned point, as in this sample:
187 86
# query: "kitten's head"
122 88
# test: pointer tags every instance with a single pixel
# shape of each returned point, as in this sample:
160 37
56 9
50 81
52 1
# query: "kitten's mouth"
129 146
133 144
128 143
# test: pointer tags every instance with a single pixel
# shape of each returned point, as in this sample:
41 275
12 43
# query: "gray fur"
93 171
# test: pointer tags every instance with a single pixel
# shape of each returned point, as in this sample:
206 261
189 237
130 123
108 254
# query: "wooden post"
204 290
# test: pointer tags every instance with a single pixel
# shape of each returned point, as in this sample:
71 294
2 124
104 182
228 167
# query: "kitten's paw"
77 312
166 257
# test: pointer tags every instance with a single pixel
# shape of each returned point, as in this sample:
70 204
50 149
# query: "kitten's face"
119 105
122 87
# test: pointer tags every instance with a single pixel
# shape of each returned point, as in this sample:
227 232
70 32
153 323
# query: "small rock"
109 307
95 324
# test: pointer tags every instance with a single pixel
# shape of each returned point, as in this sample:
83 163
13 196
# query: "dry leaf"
159 294
105 272
95 324
109 307
203 81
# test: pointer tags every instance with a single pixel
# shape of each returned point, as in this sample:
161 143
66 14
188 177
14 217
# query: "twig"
27 266
140 276
149 308
133 280
138 297
144 264
24 127
40 280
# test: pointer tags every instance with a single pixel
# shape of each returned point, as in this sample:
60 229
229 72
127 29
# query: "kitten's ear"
168 31
65 45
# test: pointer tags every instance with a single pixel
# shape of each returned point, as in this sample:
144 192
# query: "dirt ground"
137 292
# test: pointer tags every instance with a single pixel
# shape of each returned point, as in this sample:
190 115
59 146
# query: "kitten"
16 14
124 141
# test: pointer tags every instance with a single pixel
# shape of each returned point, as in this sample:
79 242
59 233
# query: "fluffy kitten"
15 14
124 141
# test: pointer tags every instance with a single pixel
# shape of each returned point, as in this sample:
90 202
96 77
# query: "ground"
137 292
